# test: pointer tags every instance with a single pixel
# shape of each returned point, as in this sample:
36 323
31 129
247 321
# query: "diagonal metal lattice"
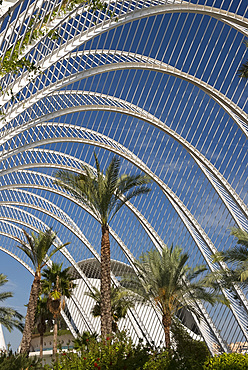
156 84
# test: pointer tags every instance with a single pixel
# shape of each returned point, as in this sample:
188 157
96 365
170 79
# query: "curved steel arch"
13 255
237 308
157 241
113 104
133 15
107 143
207 327
68 223
143 63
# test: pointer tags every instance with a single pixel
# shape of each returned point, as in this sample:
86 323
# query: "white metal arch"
138 62
207 327
76 165
94 138
112 104
238 308
49 208
130 16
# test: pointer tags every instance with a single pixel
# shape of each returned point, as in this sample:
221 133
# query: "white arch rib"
207 327
38 203
78 39
139 62
238 311
58 157
117 105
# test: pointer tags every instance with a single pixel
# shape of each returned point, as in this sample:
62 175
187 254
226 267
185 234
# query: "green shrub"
162 361
227 361
192 353
10 361
114 353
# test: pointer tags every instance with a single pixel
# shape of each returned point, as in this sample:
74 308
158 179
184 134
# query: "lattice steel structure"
154 82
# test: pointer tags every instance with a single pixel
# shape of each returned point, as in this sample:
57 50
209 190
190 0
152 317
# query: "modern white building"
2 340
153 82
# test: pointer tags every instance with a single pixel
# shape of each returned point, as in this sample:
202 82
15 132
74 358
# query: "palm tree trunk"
166 320
41 329
55 337
41 345
106 316
30 317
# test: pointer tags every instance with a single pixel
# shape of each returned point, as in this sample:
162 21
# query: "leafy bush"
119 352
192 353
114 353
162 361
227 361
10 361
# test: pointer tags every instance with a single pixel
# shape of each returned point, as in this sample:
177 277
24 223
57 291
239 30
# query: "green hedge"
227 361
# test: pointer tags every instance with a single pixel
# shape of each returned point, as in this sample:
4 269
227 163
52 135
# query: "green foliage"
167 280
243 69
118 352
227 361
57 282
114 353
103 194
82 340
37 247
9 317
238 257
10 361
121 301
162 361
192 353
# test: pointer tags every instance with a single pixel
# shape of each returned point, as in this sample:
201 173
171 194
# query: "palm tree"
36 248
243 70
121 301
9 317
43 317
168 283
104 195
57 284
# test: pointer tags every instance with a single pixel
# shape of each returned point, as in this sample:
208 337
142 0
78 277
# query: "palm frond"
168 281
9 317
103 194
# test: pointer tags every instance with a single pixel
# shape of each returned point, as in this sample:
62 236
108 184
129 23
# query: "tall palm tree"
56 284
121 301
9 317
36 248
169 284
243 70
104 195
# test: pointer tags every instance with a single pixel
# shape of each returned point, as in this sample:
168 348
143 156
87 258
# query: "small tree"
121 301
9 317
36 248
169 284
57 284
